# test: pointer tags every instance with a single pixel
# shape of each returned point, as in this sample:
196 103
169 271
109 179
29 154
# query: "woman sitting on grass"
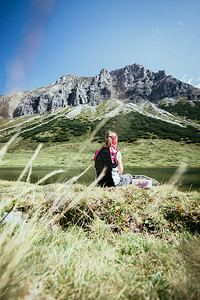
109 167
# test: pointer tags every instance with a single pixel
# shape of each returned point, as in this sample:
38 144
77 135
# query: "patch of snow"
113 112
123 107
41 124
111 104
74 111
22 123
164 117
93 110
168 117
40 118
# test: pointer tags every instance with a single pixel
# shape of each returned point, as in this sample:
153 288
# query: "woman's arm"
119 162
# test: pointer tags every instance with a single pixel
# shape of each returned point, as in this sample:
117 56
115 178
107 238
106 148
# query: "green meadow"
165 153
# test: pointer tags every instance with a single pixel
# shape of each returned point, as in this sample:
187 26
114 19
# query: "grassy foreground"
78 242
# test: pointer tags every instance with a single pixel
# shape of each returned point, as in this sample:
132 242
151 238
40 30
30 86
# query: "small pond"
189 181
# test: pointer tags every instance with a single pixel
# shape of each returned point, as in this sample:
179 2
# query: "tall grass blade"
5 147
75 178
49 175
29 174
178 173
29 164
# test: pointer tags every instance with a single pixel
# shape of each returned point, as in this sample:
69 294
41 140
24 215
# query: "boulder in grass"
13 217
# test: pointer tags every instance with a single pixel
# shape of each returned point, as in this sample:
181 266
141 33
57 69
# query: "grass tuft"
113 243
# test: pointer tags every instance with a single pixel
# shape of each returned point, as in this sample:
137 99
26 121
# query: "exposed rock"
13 217
130 84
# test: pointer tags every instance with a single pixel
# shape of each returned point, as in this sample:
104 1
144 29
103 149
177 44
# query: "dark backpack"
104 163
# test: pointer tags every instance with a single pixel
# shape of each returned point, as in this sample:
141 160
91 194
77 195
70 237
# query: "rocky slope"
131 84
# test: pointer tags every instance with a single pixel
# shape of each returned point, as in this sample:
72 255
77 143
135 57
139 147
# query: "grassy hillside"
68 136
130 127
190 110
131 121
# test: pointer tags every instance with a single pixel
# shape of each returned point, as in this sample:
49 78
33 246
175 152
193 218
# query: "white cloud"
198 85
185 78
180 23
189 81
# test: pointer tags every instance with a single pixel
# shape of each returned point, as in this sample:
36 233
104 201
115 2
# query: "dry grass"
78 242
43 259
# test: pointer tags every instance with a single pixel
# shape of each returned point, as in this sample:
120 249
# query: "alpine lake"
188 181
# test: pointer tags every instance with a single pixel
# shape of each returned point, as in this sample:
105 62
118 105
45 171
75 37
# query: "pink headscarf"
114 139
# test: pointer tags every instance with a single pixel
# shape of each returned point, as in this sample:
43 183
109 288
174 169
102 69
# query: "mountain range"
132 84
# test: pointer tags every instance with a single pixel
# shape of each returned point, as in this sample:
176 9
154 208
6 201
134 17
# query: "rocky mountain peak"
104 76
129 84
103 72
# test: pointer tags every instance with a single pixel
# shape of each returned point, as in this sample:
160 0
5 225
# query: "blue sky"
42 40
